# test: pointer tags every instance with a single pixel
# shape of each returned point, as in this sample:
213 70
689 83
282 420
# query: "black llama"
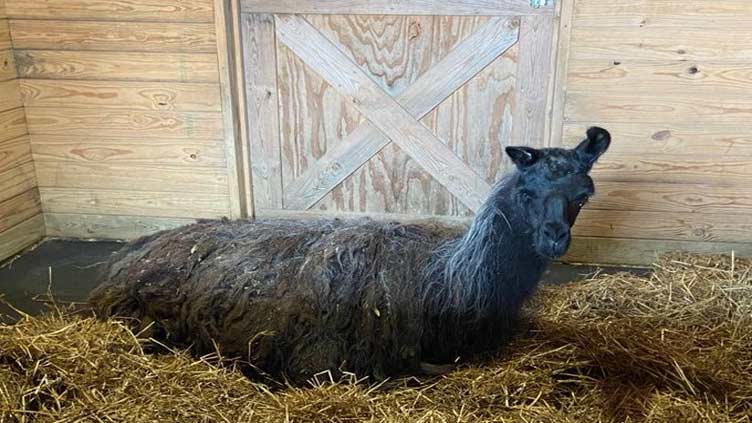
294 298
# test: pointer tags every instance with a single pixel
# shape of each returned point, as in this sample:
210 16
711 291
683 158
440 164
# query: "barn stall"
124 118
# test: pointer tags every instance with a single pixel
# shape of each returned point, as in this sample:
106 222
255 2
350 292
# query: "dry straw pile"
675 347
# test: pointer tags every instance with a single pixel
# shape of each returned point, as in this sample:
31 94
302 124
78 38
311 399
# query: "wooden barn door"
399 107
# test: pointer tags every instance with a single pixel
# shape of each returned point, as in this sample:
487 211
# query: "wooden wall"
672 80
126 113
21 222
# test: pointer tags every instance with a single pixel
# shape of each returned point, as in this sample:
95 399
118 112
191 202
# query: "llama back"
290 297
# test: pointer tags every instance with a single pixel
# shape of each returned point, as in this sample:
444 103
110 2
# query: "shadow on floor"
73 268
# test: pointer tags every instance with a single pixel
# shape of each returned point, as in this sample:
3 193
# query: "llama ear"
523 156
596 143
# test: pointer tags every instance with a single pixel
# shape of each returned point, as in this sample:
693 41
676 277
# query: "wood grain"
113 202
226 64
259 56
18 179
21 236
170 96
644 12
12 124
56 174
137 151
657 108
10 97
5 41
660 225
709 82
536 35
120 10
19 208
108 226
14 151
643 252
563 22
243 156
124 123
456 68
672 198
7 65
382 110
726 43
387 7
99 65
113 36
667 138
666 169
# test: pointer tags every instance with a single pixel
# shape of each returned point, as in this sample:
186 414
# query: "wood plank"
661 225
184 97
10 97
21 236
88 226
15 210
418 99
390 7
18 179
112 36
667 169
669 138
259 55
14 151
226 56
722 43
134 203
656 107
121 10
100 65
243 150
7 65
672 198
382 110
124 123
643 252
131 177
600 13
12 124
156 152
5 42
561 68
707 81
530 117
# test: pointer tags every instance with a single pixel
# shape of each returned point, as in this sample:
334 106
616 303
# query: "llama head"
553 186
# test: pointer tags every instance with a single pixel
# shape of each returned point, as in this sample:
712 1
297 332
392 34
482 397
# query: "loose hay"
672 347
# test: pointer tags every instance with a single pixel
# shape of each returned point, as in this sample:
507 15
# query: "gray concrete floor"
70 269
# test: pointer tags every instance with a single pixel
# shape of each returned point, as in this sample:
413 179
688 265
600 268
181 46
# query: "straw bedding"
672 347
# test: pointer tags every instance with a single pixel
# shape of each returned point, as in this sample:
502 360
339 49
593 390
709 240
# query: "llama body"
374 298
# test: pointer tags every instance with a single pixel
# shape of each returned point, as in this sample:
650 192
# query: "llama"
375 298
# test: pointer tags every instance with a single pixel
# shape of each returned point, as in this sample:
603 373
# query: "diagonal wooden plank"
382 110
461 64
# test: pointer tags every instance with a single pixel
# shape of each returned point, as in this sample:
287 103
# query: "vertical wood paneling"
536 34
262 102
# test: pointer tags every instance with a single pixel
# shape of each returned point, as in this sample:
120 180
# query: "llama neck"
493 267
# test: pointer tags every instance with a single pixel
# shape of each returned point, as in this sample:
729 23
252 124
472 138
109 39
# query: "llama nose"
556 233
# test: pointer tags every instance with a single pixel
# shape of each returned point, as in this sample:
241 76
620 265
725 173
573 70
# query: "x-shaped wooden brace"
394 119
